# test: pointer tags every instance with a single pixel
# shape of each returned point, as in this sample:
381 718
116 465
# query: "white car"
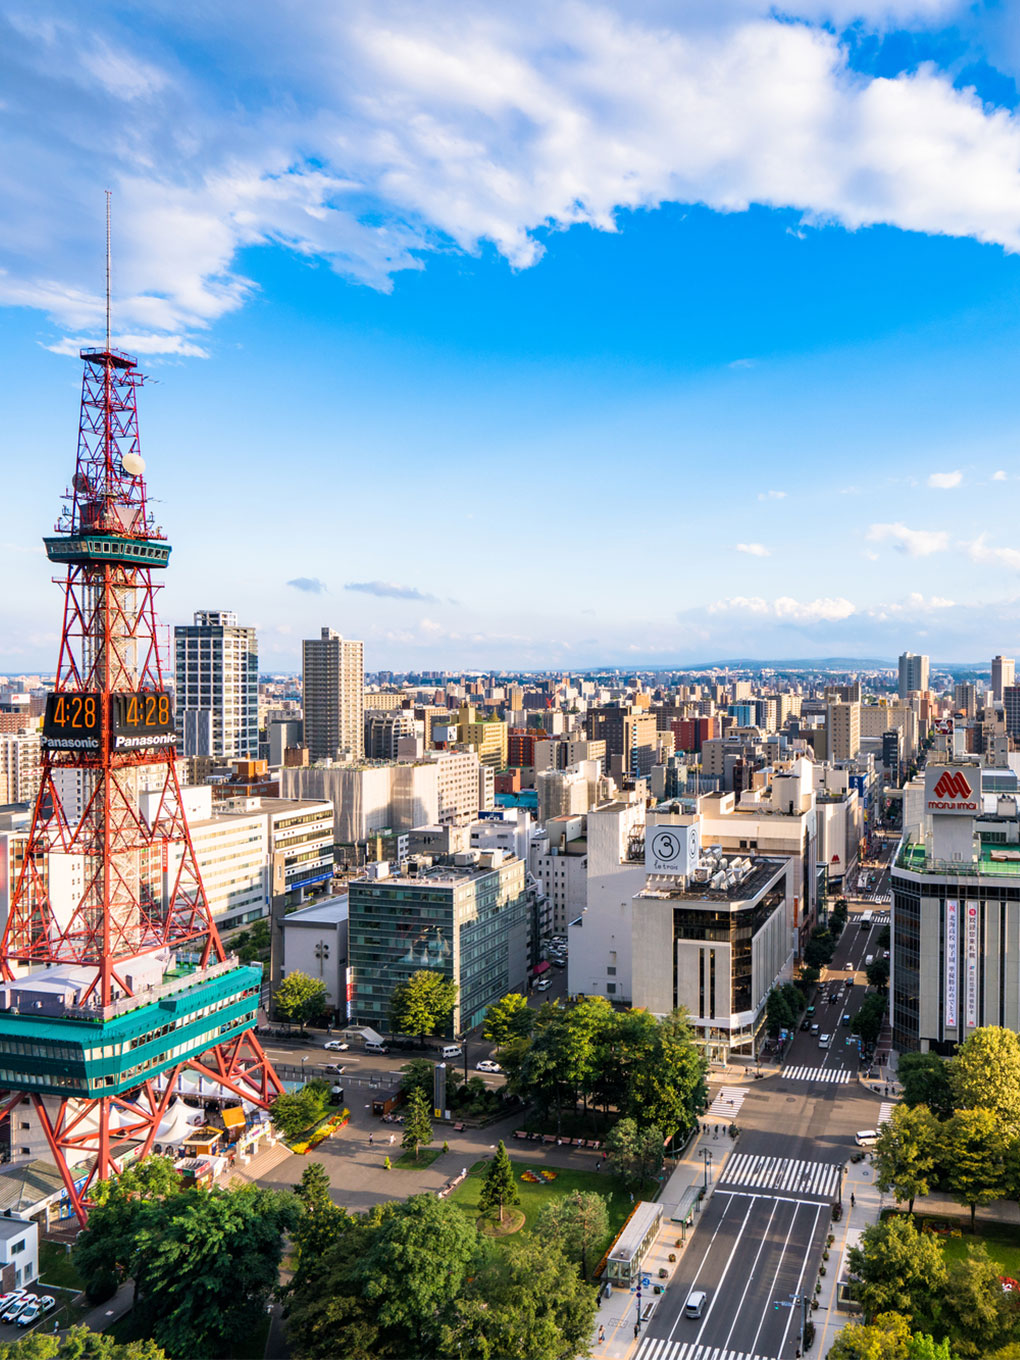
10 1297
487 1065
29 1312
47 1302
543 984
15 1308
336 1045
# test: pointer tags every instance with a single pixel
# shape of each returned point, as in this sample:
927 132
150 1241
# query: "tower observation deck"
110 989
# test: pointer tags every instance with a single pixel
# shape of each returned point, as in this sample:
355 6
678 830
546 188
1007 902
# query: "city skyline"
399 397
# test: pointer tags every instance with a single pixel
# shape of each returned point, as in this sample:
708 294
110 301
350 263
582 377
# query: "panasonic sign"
952 789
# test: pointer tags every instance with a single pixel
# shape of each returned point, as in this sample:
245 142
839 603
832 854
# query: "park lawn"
534 1197
56 1267
1001 1242
426 1156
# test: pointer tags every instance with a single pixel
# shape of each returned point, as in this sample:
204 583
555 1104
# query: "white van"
825 1040
869 960
372 1047
695 1304
451 1051
866 1137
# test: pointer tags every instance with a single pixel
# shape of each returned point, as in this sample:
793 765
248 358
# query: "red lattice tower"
108 747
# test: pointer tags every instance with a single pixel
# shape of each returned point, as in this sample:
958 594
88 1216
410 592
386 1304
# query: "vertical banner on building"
971 927
952 1018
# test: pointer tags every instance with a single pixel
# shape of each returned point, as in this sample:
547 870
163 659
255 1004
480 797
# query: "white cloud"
914 542
753 549
785 608
979 551
369 135
945 481
772 495
999 476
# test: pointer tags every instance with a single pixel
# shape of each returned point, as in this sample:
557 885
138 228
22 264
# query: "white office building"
217 686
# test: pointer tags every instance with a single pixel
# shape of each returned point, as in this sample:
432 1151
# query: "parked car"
7 1299
47 1302
336 1045
29 1312
543 984
12 1312
487 1065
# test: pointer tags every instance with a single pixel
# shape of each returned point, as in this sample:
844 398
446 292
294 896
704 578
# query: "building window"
611 972
18 1247
611 987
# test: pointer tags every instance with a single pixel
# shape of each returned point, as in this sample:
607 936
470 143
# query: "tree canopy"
985 1075
578 1224
203 1261
388 1286
899 1270
509 1018
925 1081
417 1122
500 1189
907 1153
300 998
78 1344
423 1004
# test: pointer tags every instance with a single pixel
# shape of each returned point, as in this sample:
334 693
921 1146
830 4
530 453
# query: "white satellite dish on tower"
133 464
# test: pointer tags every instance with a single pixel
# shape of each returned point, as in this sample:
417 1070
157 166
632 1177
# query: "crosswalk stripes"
831 1074
881 918
727 1102
783 1175
658 1348
885 1112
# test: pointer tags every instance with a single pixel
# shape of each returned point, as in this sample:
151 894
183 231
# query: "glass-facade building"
468 922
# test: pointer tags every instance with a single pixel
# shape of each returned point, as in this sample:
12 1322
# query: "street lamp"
706 1154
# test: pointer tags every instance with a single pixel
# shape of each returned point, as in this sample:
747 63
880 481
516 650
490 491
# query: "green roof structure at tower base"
74 1057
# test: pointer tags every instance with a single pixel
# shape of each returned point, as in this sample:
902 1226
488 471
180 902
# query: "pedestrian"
371 1139
602 1333
853 1199
637 1330
393 1137
632 1197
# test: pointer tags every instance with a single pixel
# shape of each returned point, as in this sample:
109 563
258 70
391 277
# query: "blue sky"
530 339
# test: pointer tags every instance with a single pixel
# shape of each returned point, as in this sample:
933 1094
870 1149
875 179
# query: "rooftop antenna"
108 271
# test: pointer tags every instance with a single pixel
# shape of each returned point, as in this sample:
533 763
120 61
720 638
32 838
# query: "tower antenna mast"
109 270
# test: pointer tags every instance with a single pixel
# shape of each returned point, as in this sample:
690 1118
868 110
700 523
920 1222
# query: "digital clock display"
73 722
140 722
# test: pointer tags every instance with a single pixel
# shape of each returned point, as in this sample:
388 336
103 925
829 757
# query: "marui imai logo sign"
948 789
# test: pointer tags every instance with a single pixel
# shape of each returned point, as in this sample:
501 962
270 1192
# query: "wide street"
758 1244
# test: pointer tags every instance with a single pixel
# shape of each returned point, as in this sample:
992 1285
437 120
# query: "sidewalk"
105 1314
829 1320
618 1312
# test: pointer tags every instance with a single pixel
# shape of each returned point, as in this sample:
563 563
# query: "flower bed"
324 1131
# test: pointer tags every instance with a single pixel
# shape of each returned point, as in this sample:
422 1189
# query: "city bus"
865 921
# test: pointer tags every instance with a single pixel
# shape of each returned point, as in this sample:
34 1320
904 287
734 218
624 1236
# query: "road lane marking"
885 1112
718 1226
801 1073
726 1269
750 1275
772 1286
782 1174
727 1103
690 1350
800 1277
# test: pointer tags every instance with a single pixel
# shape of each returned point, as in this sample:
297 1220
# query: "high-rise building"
468 922
1003 674
333 680
913 673
1011 704
217 678
844 722
965 699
